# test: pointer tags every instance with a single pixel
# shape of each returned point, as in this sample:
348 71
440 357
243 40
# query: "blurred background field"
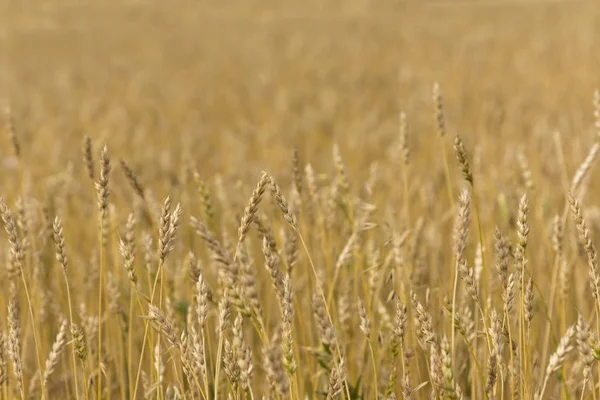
234 86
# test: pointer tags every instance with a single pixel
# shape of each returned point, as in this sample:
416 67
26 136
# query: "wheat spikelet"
88 158
463 162
132 179
252 207
438 102
57 348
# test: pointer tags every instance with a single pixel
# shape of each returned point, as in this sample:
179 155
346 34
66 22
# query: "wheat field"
299 200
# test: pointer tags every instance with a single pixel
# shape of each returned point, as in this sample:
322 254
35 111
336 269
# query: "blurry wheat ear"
12 134
16 267
404 139
597 111
461 230
588 245
55 353
88 158
365 327
3 370
205 198
341 170
132 179
585 167
14 341
438 102
463 162
252 208
297 172
17 255
559 356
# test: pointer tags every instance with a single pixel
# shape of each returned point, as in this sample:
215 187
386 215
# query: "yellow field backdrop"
199 98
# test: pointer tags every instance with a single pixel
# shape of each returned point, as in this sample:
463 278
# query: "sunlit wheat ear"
522 224
163 325
463 162
497 335
169 226
164 226
492 373
252 207
438 114
201 293
325 330
11 131
59 241
14 340
558 358
584 348
400 321
275 375
447 369
102 187
80 344
502 250
282 203
365 323
88 158
57 349
16 248
291 250
529 303
590 249
127 249
467 275
508 296
423 323
273 266
334 390
23 222
287 318
461 226
132 179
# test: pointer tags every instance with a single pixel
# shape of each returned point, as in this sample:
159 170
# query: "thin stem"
100 282
374 368
146 339
322 293
218 365
447 173
35 338
72 342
